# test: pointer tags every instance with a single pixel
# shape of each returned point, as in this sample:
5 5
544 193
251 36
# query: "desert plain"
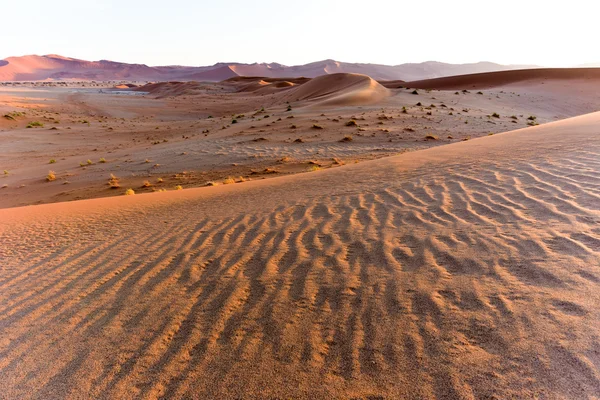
327 237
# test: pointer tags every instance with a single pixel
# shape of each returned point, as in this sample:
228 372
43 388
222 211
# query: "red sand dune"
339 89
494 79
56 67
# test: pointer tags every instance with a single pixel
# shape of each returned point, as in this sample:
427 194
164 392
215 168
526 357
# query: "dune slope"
465 271
340 89
487 80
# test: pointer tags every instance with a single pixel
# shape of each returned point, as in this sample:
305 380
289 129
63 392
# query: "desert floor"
166 139
464 271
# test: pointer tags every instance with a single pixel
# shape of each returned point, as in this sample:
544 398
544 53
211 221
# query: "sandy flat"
465 271
190 134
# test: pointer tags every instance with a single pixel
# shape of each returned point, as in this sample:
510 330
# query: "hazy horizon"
377 32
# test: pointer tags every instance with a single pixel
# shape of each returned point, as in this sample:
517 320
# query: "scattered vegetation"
89 162
228 181
351 123
496 115
159 180
178 187
51 176
102 160
52 161
129 192
146 184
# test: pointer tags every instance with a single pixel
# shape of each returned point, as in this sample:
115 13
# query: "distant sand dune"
489 80
339 89
466 271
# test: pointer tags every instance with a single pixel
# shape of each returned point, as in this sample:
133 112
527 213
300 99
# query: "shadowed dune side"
489 80
465 271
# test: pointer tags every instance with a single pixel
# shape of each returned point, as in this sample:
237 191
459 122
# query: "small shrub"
146 184
35 124
129 192
234 121
5 172
431 137
52 161
419 104
479 92
289 107
102 160
228 181
315 126
414 92
346 138
351 123
51 176
89 162
159 180
496 115
532 118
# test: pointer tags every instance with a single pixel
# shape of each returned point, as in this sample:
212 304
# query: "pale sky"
188 32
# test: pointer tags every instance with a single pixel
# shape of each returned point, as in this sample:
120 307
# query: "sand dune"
465 271
495 79
338 90
54 67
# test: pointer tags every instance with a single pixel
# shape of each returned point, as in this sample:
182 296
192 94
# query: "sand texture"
465 271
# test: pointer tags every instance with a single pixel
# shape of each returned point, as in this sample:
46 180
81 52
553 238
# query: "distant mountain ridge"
56 67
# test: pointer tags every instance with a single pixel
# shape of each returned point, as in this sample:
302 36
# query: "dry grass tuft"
51 176
129 192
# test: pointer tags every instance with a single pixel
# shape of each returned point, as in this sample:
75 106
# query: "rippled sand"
470 270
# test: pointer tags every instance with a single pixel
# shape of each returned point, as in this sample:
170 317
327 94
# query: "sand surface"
464 271
190 134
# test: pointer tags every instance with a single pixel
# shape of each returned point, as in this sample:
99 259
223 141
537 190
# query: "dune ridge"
488 80
465 271
55 67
